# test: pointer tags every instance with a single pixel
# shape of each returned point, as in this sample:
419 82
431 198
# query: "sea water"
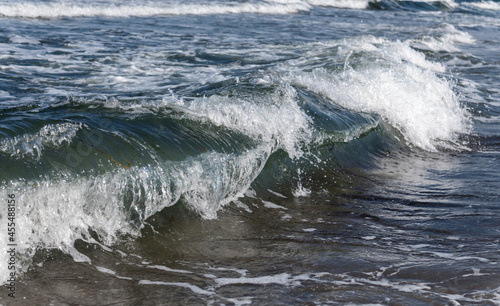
249 152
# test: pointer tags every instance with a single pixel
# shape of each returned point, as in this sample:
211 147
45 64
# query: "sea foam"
57 211
32 145
57 10
486 5
396 83
347 4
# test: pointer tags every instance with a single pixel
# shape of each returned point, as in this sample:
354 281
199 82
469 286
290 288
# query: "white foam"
449 3
275 119
459 258
243 301
124 277
111 272
32 144
241 272
407 94
105 270
301 191
268 204
475 272
77 256
4 240
163 268
193 288
16 39
348 4
61 9
309 230
279 279
5 94
240 204
402 52
277 194
483 297
485 5
218 179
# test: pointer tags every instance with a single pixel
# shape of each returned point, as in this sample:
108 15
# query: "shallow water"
264 152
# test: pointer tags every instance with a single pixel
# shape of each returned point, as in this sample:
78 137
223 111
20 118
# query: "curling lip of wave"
403 88
32 144
348 4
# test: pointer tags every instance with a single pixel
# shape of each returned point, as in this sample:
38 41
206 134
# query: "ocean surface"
264 152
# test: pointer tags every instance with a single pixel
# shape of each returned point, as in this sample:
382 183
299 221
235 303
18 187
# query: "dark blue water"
258 152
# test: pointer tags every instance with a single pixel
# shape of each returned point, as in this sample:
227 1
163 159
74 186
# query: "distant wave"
55 10
402 88
348 4
96 9
415 5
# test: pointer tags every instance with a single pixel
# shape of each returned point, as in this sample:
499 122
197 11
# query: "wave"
484 5
99 182
57 10
402 87
111 9
100 167
32 144
117 203
443 37
271 119
415 5
346 4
